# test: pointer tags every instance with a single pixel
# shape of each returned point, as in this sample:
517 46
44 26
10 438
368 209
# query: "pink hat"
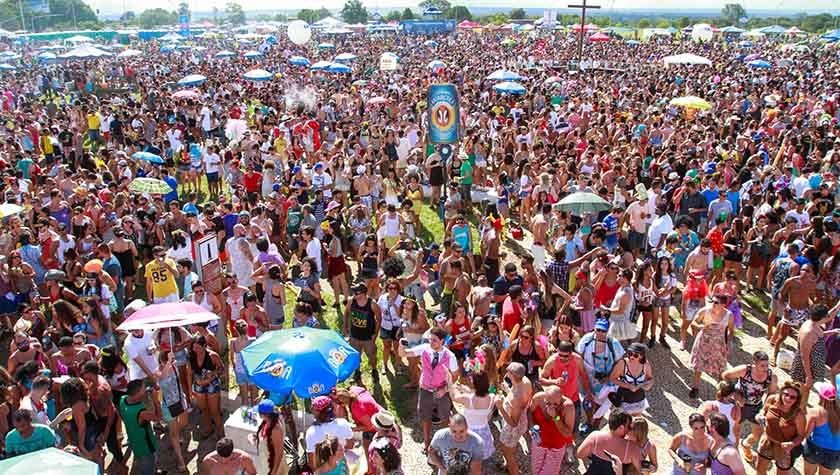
321 402
826 390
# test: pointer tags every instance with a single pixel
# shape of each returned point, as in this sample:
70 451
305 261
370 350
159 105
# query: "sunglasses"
789 395
702 427
91 276
633 354
393 288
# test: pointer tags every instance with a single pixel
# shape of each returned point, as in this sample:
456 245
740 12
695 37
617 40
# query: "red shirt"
550 436
716 238
252 181
511 315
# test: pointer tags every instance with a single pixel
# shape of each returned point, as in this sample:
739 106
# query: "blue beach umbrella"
326 46
148 157
253 54
320 66
299 61
7 67
338 68
436 64
345 57
258 75
759 63
503 75
225 54
510 88
192 80
306 361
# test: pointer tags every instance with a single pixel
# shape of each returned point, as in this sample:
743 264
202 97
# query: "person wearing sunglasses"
690 448
784 430
714 327
634 377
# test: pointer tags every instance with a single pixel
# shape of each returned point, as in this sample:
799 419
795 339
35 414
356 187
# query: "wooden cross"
583 9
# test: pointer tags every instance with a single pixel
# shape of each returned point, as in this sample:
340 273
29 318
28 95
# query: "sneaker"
694 393
651 342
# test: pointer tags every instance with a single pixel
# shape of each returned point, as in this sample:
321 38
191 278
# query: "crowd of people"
517 323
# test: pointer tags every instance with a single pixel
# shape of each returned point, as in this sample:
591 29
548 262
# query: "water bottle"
535 435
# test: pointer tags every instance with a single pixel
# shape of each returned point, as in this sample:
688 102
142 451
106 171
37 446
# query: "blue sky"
111 6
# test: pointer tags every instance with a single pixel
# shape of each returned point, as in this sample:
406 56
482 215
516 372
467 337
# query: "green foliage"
517 14
280 17
683 22
184 9
311 16
156 17
61 16
407 14
234 14
128 17
644 23
442 4
459 13
732 12
393 15
354 12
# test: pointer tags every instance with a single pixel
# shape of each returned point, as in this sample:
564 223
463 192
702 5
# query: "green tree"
323 13
280 17
732 12
128 17
234 13
354 12
517 14
407 14
644 23
393 15
307 15
442 4
458 13
156 17
498 19
683 22
184 9
216 15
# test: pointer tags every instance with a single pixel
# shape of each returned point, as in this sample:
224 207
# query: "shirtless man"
539 228
697 267
603 447
362 186
797 294
490 244
481 297
780 270
700 259
457 284
512 408
226 460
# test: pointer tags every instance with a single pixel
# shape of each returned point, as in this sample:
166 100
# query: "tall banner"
549 19
184 25
444 114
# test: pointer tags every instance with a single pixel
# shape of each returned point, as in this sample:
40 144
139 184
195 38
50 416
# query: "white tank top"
725 408
392 226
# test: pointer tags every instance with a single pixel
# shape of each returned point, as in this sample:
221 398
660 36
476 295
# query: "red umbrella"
599 38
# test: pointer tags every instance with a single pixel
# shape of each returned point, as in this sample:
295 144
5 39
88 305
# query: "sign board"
207 264
184 25
38 6
444 114
549 19
388 62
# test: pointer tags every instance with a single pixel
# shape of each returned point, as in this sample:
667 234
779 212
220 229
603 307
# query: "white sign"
208 250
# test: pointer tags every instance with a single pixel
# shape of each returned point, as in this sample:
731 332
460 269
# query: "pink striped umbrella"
167 315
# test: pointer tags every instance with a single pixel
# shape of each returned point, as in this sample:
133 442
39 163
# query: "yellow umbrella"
691 102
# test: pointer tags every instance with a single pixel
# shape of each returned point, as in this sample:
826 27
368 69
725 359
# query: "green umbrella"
152 186
583 202
49 462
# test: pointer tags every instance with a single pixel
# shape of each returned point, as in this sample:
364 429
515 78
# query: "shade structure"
9 209
503 75
50 461
299 61
510 88
321 65
833 35
167 315
431 43
338 68
687 58
436 64
148 157
258 75
192 80
153 186
345 57
305 361
253 54
46 56
84 52
7 67
171 37
129 53
225 54
326 46
583 202
760 64
732 30
691 102
599 38
587 27
186 94
167 48
751 57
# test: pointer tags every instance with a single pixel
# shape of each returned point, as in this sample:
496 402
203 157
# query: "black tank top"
527 361
206 365
362 321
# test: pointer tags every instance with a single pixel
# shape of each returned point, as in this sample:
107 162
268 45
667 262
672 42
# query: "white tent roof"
79 39
328 22
84 52
686 58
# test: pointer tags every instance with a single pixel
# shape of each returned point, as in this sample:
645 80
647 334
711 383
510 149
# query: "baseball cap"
826 390
266 406
321 402
319 165
602 324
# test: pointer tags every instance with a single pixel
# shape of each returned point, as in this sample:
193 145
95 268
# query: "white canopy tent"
686 58
84 52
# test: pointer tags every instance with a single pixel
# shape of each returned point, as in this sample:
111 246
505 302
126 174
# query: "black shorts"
388 334
749 411
827 458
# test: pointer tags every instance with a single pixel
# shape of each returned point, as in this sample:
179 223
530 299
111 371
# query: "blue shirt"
502 284
173 183
709 195
42 438
734 197
611 223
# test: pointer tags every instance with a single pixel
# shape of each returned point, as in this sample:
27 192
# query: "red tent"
599 38
467 24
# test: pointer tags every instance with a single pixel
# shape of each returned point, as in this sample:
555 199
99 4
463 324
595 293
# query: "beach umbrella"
192 80
167 48
503 75
437 64
7 67
130 53
378 100
253 54
225 54
431 43
49 461
326 46
833 35
173 37
305 361
751 57
258 75
509 87
185 94
338 68
759 63
687 58
508 42
633 42
167 315
345 57
299 61
583 202
84 52
152 186
148 157
691 102
599 38
9 209
360 82
46 56
321 65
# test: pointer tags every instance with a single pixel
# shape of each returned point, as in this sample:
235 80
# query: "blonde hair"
639 426
490 363
832 409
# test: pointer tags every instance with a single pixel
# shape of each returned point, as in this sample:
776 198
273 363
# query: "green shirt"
141 437
42 438
466 173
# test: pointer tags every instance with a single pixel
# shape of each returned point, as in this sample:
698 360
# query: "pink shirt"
363 408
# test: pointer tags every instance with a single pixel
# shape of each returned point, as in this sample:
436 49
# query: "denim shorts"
827 458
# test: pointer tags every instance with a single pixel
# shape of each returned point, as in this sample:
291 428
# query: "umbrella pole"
181 396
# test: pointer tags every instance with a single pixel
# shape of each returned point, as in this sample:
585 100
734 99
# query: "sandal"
749 456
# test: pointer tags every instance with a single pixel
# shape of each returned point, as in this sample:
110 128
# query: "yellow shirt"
280 145
93 121
163 282
46 145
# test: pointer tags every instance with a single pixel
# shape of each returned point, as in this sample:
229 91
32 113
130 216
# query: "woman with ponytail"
822 447
271 434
